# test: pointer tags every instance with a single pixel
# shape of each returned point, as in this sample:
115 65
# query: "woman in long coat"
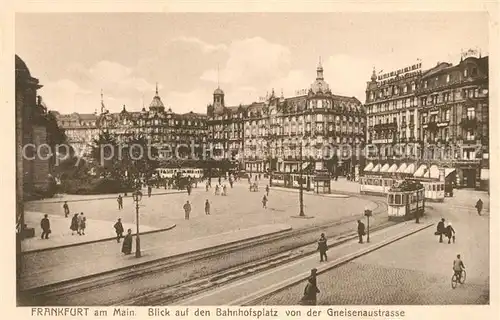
74 223
310 293
127 243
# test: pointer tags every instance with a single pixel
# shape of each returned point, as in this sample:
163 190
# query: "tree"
106 153
139 158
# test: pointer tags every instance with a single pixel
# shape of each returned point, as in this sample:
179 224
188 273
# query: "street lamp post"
301 191
368 214
137 196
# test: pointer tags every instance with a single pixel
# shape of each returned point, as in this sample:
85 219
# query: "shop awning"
384 168
402 168
393 168
420 171
377 168
410 169
369 167
485 174
448 171
433 172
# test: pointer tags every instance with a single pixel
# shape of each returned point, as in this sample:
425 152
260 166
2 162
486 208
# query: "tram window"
398 199
391 199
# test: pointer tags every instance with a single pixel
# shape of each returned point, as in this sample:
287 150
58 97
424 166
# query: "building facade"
273 134
175 136
436 116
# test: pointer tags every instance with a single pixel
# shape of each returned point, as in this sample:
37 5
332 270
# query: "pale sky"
125 54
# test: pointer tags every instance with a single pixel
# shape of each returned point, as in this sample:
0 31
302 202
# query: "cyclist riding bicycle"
458 266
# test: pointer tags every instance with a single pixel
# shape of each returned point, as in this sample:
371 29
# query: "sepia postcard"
251 160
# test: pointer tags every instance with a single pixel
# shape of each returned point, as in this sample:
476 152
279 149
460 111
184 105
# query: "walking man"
361 231
66 209
149 191
45 224
479 206
187 210
119 229
207 207
267 190
322 248
120 202
264 202
440 230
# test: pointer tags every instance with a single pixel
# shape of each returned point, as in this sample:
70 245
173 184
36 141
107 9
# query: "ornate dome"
156 104
218 91
21 67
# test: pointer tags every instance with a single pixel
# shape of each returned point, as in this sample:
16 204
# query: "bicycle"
454 279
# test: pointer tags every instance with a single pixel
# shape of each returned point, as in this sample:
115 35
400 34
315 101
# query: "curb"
144 263
253 300
93 241
337 192
102 198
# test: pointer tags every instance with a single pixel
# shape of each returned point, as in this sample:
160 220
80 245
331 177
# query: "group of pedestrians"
78 224
127 241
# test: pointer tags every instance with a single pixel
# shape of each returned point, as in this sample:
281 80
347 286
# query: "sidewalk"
61 236
61 198
248 290
328 195
35 277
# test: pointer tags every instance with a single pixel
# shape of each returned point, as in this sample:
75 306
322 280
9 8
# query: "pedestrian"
322 248
206 187
45 224
120 202
224 190
310 292
267 190
479 206
220 180
149 191
74 224
187 210
118 229
84 225
450 233
440 230
361 231
207 207
188 188
80 222
264 202
127 243
216 189
66 209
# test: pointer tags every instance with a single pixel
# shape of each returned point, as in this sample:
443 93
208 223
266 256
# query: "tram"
378 179
169 173
406 201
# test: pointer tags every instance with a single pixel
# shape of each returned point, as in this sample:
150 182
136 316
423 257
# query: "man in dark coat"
311 290
322 248
74 223
207 207
119 230
361 231
120 202
440 230
45 224
127 243
450 233
66 209
187 210
479 206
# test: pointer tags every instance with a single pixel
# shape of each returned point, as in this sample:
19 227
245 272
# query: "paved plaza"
415 270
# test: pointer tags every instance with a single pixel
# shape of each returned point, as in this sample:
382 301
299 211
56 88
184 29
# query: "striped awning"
384 168
420 171
369 167
433 172
393 168
410 169
448 171
402 168
377 168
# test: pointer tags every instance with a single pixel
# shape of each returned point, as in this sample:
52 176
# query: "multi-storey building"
270 134
80 130
437 116
174 135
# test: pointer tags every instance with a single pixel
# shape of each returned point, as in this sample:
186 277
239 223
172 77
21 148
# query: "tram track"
196 267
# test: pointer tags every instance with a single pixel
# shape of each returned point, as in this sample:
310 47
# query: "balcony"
386 126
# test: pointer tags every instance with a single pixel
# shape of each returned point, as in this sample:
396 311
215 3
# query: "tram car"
406 201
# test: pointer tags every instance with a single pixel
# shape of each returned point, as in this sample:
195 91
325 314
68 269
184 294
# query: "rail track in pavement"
199 270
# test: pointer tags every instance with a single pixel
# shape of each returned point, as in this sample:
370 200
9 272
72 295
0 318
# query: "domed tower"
156 105
218 101
320 85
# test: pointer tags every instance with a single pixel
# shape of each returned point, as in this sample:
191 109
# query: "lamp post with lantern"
137 196
368 214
